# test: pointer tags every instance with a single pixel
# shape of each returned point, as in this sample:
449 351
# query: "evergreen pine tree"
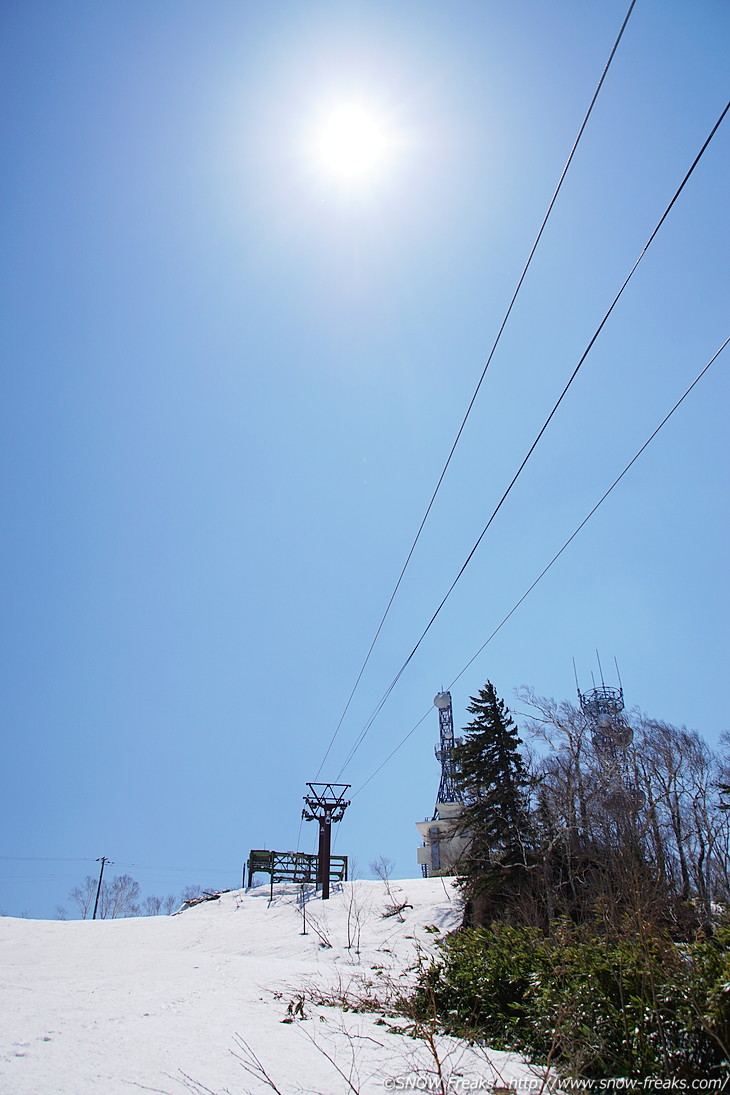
493 782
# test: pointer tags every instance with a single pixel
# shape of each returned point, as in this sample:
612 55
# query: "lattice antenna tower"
444 842
445 749
604 705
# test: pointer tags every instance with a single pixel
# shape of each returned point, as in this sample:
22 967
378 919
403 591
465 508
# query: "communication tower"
604 705
445 748
444 841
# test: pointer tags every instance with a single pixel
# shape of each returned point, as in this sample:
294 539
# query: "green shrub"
598 1007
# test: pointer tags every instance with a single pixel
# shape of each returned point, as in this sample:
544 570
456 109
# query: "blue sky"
232 377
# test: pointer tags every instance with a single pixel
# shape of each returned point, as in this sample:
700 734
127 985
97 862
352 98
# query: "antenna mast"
444 841
612 737
445 748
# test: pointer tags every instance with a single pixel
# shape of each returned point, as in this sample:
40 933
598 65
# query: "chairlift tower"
326 804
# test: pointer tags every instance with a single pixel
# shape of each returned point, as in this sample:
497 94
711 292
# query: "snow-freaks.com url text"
553 1086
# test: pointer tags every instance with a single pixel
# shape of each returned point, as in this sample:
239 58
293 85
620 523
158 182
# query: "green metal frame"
291 866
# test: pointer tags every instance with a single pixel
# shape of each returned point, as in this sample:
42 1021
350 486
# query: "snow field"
183 1003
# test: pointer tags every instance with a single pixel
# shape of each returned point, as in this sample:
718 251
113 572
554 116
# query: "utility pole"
325 805
103 862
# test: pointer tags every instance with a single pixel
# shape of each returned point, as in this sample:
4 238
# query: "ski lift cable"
479 385
543 428
554 559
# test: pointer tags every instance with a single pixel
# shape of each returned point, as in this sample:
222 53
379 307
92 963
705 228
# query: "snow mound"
192 1002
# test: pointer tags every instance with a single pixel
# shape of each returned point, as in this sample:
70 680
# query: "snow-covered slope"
175 1004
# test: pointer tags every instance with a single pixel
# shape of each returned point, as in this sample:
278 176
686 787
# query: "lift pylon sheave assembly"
326 804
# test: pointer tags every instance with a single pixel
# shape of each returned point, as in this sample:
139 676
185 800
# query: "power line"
478 387
47 859
554 559
37 878
195 870
131 866
535 443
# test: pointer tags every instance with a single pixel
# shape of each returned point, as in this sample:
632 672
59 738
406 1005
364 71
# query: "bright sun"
352 142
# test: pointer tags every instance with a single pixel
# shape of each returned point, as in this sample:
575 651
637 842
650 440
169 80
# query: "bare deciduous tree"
382 868
119 898
636 829
169 903
84 896
358 908
191 892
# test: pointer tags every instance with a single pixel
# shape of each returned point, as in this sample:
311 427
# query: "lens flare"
352 142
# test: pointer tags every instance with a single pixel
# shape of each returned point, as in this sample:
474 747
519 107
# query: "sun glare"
352 142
